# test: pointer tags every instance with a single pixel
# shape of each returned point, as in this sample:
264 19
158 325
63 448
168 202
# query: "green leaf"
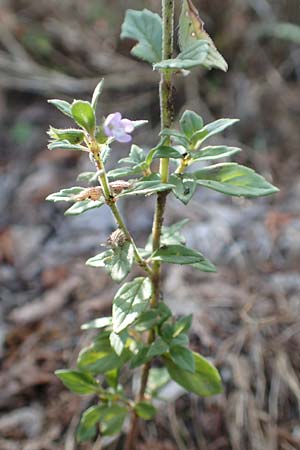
140 357
210 153
182 340
101 260
233 179
191 30
84 115
146 28
147 188
87 429
158 378
112 419
184 188
129 302
210 130
164 151
190 123
64 195
112 378
177 136
147 320
204 382
215 60
172 234
117 262
179 254
157 348
118 341
77 381
87 177
83 206
100 357
72 135
121 172
62 106
136 156
194 56
65 145
145 410
183 358
153 317
182 325
102 322
121 262
96 94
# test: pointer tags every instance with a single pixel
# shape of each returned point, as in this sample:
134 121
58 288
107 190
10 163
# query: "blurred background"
246 317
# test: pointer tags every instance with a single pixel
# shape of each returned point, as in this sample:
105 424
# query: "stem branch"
166 114
115 210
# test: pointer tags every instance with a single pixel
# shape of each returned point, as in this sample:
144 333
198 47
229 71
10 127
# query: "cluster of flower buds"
117 238
92 193
95 193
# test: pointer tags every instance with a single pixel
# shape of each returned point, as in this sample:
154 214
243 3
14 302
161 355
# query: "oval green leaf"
206 380
84 115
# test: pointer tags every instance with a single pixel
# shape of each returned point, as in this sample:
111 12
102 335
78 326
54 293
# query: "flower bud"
117 238
119 186
92 193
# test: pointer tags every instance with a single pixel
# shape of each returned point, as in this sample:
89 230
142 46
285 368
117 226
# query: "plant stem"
115 210
166 115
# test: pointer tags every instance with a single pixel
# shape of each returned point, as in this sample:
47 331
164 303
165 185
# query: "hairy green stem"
115 210
166 114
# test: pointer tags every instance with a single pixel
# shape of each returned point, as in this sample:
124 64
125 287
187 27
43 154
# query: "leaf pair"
69 195
117 261
197 48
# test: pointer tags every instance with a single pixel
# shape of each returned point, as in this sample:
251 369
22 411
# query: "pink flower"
115 126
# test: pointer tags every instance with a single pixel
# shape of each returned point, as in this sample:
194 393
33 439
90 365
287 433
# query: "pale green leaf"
66 145
146 28
164 151
100 357
233 179
83 206
65 195
210 130
117 262
62 106
190 123
211 153
147 188
158 378
129 302
101 322
72 135
184 188
96 94
194 56
179 254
